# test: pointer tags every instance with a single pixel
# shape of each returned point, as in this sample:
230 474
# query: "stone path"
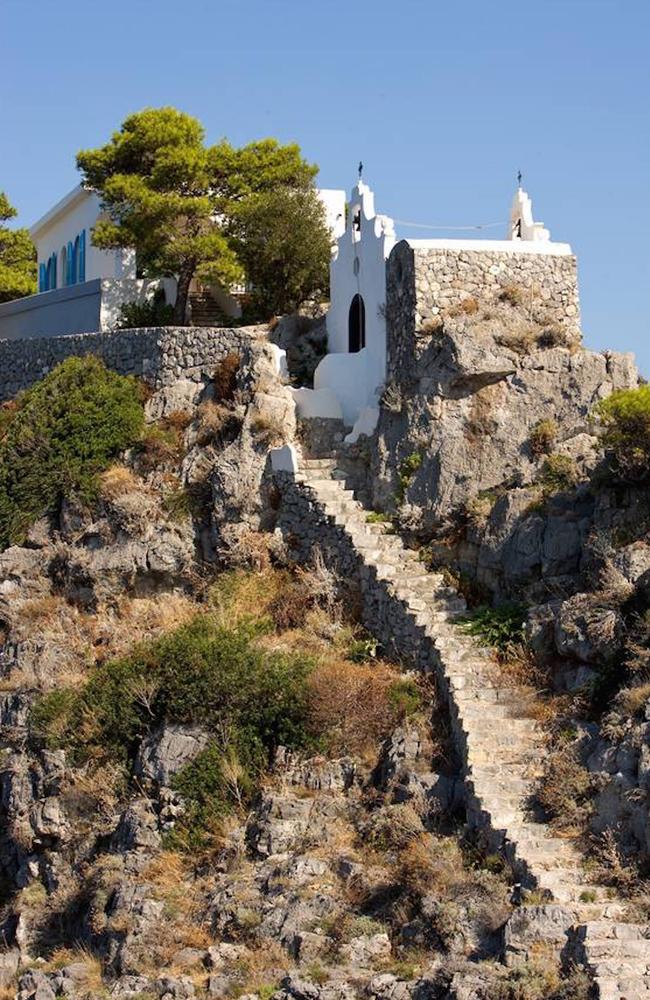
501 745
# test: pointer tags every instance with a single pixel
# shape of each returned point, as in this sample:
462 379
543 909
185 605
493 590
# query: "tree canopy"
193 210
17 257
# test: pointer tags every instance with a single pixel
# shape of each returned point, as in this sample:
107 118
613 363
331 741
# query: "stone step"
623 966
495 771
476 710
482 728
565 891
483 784
544 853
609 949
493 696
612 989
326 488
333 507
307 464
610 930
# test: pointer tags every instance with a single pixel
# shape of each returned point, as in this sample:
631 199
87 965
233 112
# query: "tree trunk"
182 292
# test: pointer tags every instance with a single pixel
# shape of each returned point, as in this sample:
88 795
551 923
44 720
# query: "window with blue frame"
70 263
47 274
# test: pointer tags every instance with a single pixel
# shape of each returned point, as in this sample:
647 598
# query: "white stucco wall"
79 210
117 291
358 267
334 203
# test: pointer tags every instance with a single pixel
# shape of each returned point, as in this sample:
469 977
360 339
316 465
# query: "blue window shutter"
82 255
53 270
48 275
75 261
41 277
68 263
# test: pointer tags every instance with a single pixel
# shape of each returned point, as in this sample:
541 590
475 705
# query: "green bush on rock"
625 421
251 699
501 627
60 434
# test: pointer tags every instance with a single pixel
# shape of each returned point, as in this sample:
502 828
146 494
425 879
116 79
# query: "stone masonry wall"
160 355
307 528
421 283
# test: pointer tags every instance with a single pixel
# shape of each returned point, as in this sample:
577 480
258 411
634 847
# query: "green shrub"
201 672
405 697
558 474
502 627
154 312
625 421
209 785
177 504
407 470
542 437
63 431
377 517
363 650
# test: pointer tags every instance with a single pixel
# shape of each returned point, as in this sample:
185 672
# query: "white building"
82 288
65 251
349 380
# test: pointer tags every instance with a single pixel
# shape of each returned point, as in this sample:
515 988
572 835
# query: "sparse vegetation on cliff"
625 420
59 436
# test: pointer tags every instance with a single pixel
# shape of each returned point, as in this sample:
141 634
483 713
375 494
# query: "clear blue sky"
444 102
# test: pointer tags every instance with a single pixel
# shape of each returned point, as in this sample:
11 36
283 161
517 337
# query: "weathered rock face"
465 405
164 753
266 420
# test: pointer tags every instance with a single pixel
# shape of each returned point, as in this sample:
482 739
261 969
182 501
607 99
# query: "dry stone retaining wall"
421 283
160 355
307 528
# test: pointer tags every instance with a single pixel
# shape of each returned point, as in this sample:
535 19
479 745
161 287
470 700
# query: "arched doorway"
356 325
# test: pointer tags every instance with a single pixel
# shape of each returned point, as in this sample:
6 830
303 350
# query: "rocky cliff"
223 775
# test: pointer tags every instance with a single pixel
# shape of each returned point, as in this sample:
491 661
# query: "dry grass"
184 925
565 790
177 420
82 639
484 408
352 704
632 701
224 377
433 325
268 428
91 794
542 437
241 594
467 307
514 295
520 668
212 420
477 510
261 968
92 979
42 611
117 481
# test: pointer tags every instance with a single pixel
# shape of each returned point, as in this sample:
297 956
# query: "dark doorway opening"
356 325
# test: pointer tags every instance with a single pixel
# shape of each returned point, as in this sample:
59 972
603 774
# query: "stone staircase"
204 310
501 745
